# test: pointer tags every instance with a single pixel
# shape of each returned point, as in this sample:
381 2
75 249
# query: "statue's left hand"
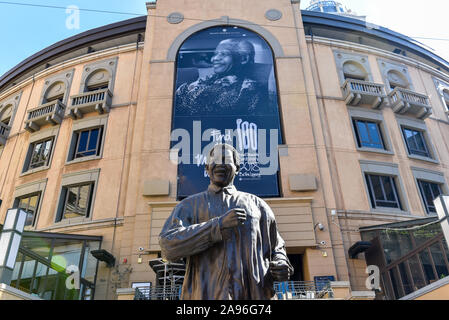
279 270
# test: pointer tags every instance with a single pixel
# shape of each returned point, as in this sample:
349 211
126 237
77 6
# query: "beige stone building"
85 140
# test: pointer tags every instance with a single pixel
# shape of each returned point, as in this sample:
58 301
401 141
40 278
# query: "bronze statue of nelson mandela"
229 238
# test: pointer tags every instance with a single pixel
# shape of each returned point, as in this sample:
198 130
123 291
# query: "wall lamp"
320 226
105 256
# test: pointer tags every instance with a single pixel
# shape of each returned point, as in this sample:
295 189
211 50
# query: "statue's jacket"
223 264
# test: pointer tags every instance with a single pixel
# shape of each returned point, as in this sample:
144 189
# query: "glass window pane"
374 133
46 152
27 274
37 245
93 139
363 132
395 283
422 235
84 136
396 244
405 279
38 285
427 265
415 270
90 263
388 188
15 272
377 188
438 259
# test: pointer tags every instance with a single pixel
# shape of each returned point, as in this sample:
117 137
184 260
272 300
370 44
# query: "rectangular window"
88 142
30 204
429 192
383 191
416 143
77 200
368 134
40 153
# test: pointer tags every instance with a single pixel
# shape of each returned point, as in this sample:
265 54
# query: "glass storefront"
48 266
408 259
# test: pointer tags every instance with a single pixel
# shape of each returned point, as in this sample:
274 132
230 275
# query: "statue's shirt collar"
216 189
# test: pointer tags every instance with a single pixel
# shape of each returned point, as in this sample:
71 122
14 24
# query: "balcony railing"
303 290
99 101
158 293
4 133
49 113
364 92
406 101
290 290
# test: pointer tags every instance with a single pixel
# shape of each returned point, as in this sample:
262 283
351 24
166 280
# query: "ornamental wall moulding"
175 18
273 15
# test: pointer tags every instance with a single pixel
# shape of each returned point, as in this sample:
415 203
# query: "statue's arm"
278 252
179 238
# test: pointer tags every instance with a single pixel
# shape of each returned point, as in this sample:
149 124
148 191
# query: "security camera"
141 249
323 243
320 226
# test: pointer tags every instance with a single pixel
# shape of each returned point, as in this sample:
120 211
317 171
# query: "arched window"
354 70
226 92
397 79
97 80
446 98
6 114
55 92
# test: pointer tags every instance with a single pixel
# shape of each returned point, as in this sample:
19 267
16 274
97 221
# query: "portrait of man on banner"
225 80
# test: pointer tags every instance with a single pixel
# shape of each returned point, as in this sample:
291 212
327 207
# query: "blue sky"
26 30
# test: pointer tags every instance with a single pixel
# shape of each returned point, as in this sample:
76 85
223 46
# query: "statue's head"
223 163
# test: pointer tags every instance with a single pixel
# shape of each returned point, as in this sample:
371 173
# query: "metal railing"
303 290
409 96
289 290
364 87
92 97
46 110
158 293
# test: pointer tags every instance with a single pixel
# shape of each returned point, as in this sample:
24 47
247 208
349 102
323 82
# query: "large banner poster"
226 92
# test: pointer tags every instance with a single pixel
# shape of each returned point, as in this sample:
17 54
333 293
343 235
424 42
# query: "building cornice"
379 52
71 63
81 40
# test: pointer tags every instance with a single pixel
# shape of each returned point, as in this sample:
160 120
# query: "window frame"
77 153
35 138
360 142
33 148
29 189
66 196
83 125
370 116
430 176
369 167
420 153
417 125
372 194
18 199
428 206
69 180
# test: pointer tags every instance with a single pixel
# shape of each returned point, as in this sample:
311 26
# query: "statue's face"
223 60
222 168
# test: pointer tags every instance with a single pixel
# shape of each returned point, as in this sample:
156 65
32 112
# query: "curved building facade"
102 134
